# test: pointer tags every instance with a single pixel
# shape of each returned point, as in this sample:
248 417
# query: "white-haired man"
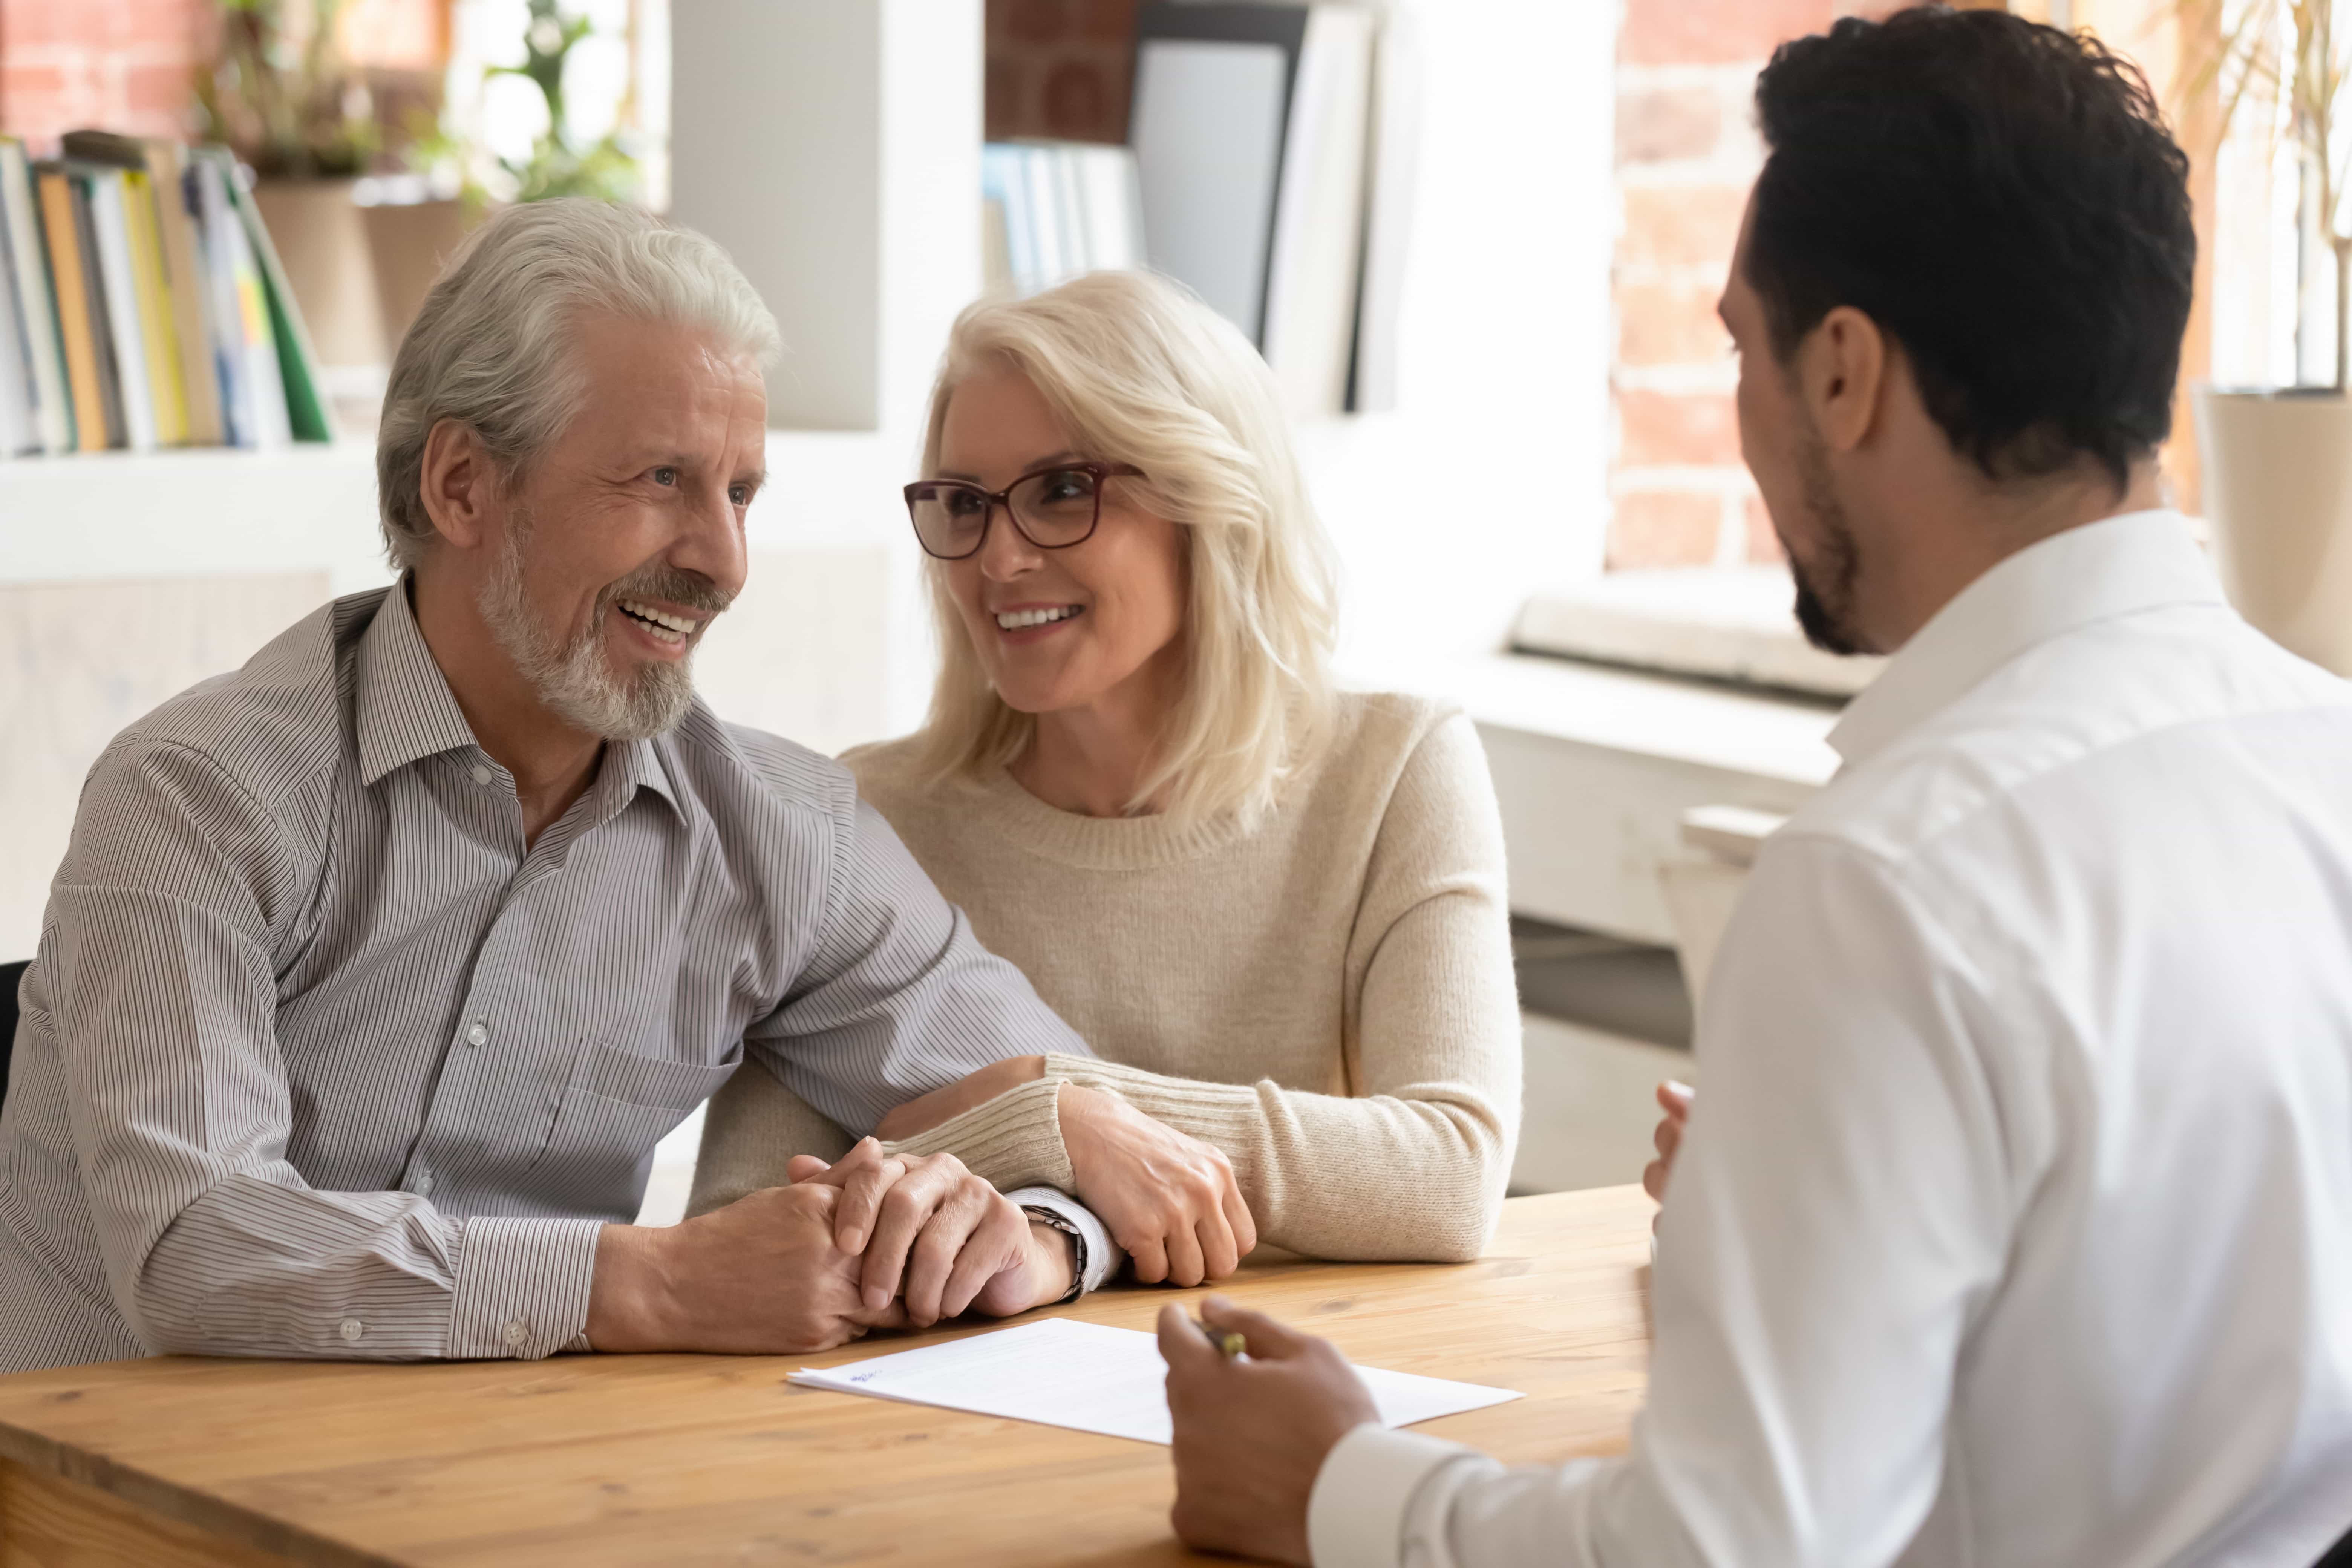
375 969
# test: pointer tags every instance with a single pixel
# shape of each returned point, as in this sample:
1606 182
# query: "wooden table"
181 1462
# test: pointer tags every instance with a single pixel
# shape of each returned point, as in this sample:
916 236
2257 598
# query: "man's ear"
1842 371
458 484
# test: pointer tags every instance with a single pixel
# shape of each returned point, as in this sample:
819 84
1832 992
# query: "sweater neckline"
1098 843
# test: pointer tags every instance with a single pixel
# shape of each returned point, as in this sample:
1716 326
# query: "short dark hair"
2001 198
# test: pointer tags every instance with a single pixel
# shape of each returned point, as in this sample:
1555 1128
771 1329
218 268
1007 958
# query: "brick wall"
122 64
1687 152
1059 68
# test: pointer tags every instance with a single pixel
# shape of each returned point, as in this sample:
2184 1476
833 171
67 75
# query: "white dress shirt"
2014 1225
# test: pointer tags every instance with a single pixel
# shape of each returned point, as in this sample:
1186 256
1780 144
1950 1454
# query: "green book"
305 407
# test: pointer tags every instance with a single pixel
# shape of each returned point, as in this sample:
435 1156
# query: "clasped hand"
874 1241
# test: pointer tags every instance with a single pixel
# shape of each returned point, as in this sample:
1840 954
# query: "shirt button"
480 1035
514 1334
482 776
423 1184
351 1330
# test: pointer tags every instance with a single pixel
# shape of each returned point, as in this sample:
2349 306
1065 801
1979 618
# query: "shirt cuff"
1355 1514
522 1287
1101 1256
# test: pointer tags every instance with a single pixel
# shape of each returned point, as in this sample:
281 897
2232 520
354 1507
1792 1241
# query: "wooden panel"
47 1521
687 1460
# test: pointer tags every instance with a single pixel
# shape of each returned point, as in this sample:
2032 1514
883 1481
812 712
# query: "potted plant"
2278 460
280 95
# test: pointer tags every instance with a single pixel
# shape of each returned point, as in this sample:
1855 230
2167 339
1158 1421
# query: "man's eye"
666 476
739 494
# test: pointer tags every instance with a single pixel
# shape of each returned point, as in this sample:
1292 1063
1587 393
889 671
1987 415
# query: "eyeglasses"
1053 509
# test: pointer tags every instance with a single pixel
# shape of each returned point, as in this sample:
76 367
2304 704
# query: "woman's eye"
1068 487
961 503
667 476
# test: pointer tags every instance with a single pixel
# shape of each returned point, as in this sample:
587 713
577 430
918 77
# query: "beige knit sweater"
1327 998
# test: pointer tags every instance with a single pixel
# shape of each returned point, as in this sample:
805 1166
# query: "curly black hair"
2004 200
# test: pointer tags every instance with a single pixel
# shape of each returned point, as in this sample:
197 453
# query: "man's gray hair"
493 347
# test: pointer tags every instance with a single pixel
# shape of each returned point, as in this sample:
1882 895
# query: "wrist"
1055 1265
629 1293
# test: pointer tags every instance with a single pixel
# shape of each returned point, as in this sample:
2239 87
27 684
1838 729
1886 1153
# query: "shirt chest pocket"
617 1106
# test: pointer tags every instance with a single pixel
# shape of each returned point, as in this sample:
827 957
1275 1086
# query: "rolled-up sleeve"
157 975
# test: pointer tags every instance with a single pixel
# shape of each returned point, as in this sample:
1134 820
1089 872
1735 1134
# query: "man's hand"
1675 1100
1168 1199
760 1277
932 1231
926 1111
1250 1435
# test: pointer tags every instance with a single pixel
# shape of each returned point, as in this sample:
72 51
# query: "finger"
861 1199
1183 1347
1654 1180
1002 1242
1675 1096
906 1209
1668 1134
1185 1267
1219 1256
1238 1217
934 1257
1149 1257
1268 1340
801 1167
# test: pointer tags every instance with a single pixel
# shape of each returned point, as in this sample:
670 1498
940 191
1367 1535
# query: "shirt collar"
2117 566
405 711
403 707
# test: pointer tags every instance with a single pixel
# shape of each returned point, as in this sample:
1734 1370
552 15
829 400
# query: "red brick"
1106 21
1763 545
1003 114
1035 21
1661 323
1681 226
1715 32
1678 122
1077 103
1679 430
157 101
1664 528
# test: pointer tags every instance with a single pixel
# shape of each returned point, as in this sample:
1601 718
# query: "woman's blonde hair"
1139 372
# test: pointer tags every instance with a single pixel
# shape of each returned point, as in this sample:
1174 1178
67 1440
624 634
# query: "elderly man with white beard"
376 968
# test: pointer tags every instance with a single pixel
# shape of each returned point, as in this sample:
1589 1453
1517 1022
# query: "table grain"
187 1462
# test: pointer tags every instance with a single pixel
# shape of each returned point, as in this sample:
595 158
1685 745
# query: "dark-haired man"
2014 1225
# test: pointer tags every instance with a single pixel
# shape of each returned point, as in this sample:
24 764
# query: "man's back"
2055 982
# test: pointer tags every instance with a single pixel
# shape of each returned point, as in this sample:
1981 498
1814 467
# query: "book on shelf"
1054 210
35 302
1273 147
142 304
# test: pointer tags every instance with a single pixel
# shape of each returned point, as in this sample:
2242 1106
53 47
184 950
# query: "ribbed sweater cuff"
1230 1116
1013 1141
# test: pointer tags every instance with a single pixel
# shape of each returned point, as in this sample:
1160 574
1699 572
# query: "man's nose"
712 543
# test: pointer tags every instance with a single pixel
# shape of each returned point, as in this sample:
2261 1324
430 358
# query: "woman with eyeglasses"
1275 909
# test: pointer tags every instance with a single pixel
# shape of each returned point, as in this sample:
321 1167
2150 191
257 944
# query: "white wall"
1492 474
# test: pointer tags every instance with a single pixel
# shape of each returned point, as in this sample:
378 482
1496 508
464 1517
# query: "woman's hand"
1168 1199
926 1111
1675 1100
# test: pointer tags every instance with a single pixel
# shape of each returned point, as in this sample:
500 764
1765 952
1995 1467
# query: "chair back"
11 976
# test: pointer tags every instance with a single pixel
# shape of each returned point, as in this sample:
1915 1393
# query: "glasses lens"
1056 507
948 518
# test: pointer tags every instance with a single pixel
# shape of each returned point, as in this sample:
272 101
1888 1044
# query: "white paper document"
1064 1372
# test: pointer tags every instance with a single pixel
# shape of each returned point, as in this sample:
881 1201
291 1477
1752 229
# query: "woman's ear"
458 483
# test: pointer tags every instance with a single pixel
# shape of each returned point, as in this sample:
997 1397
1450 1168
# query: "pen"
1226 1339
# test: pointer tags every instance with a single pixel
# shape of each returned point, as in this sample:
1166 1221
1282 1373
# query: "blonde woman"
1273 909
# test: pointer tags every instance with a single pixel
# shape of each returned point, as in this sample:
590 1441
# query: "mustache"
668 584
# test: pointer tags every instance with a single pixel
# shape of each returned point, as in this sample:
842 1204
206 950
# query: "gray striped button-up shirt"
319 1060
